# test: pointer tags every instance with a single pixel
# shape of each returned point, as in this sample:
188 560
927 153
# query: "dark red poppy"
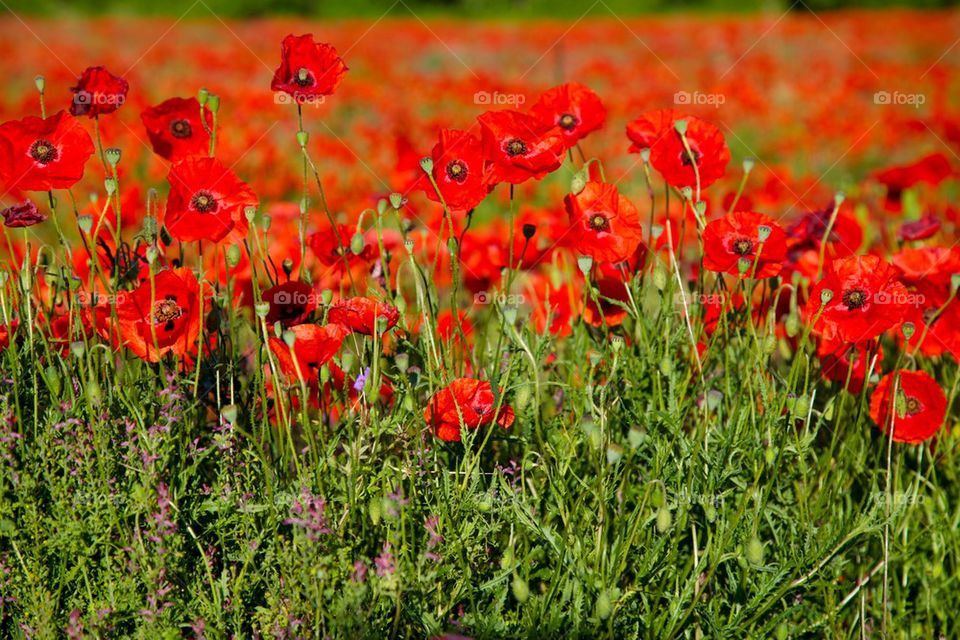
572 107
313 347
290 303
307 69
519 146
207 201
469 399
739 236
931 169
917 413
176 130
98 92
603 225
708 153
458 165
650 127
806 233
40 155
921 229
160 318
867 299
24 214
362 314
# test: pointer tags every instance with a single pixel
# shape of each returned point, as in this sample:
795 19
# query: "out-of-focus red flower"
921 229
603 225
931 169
919 411
207 201
928 270
806 233
842 360
738 236
710 154
867 299
290 303
553 307
307 69
331 247
518 146
5 331
313 347
40 155
449 327
24 214
170 310
572 107
98 92
362 314
176 130
649 127
467 398
612 287
458 165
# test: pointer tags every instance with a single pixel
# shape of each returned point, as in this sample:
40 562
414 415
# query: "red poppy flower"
175 128
290 303
361 314
572 107
24 214
932 169
5 332
806 233
919 412
736 237
603 225
458 171
649 127
207 201
710 155
313 347
467 398
170 310
519 146
40 155
98 92
307 69
843 361
940 332
867 299
612 288
921 229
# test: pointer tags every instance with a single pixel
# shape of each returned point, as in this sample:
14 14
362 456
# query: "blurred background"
452 8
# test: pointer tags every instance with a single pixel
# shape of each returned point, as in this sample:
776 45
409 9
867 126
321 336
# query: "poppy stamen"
457 170
204 202
599 222
742 246
687 160
181 128
568 121
515 147
44 151
166 311
914 406
303 78
854 298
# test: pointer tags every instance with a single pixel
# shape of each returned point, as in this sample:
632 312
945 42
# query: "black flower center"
599 222
204 202
44 151
515 147
742 246
913 406
166 311
568 121
181 129
854 298
303 77
690 158
457 170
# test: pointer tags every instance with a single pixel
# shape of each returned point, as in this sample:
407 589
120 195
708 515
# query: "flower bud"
529 230
233 256
213 103
202 96
302 138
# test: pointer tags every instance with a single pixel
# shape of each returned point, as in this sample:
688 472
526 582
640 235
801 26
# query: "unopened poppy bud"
85 222
229 413
603 606
396 200
510 315
346 361
287 267
302 138
148 228
304 205
202 96
113 156
382 206
748 164
521 590
754 551
249 213
681 127
659 277
585 263
233 256
614 453
77 348
324 374
326 297
356 244
426 163
908 329
213 103
265 223
764 231
792 325
40 82
93 391
452 247
110 185
152 254
402 361
579 181
826 296
900 404
52 375
954 282
664 520
529 230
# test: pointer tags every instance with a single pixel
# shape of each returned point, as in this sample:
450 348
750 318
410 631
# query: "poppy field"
406 328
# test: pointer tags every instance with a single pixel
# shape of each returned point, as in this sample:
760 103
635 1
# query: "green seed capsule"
664 520
521 590
754 551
